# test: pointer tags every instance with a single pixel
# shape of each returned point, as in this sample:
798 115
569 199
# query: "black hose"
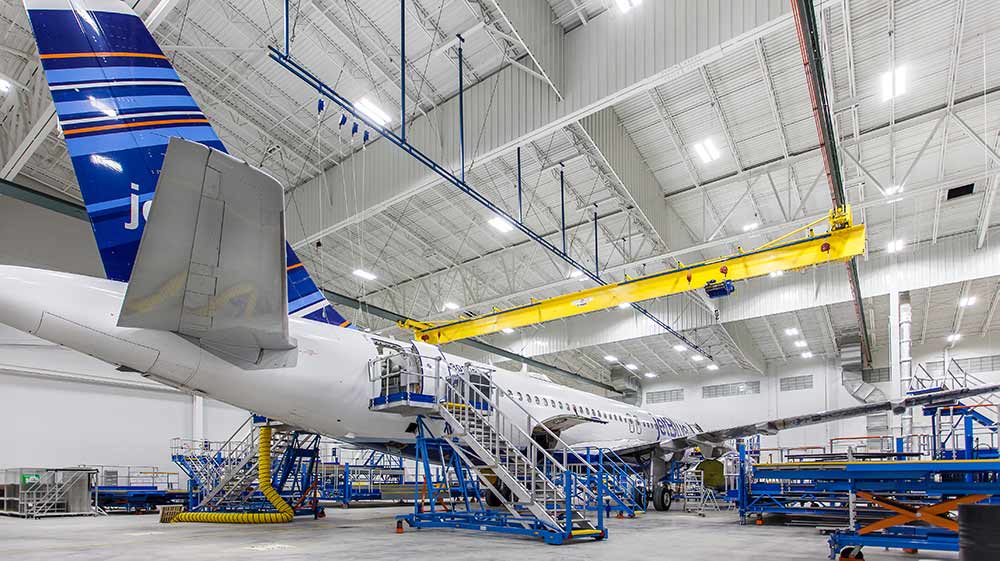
979 532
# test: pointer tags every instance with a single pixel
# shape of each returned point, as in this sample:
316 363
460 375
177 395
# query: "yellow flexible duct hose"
285 512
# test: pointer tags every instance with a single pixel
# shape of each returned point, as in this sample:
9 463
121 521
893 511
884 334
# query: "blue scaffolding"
626 493
293 475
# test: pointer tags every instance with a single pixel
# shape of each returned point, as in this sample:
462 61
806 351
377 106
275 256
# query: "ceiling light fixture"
893 189
451 306
366 106
800 343
707 151
893 83
697 358
507 330
954 337
575 273
631 366
807 354
775 274
680 348
651 374
501 225
712 367
364 274
4 86
895 245
967 301
624 306
751 226
611 358
626 5
791 331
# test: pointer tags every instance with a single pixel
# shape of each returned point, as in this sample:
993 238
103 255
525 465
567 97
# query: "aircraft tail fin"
119 101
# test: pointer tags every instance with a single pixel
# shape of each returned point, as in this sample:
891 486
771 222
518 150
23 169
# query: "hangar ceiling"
623 130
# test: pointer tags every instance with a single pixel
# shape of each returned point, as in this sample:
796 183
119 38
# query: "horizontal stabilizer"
211 263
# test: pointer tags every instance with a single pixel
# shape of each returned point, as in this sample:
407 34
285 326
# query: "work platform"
884 502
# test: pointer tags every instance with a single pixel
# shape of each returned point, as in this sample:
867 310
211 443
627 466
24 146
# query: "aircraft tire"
662 497
493 500
641 500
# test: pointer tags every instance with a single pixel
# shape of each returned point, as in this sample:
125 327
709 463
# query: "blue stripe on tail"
119 101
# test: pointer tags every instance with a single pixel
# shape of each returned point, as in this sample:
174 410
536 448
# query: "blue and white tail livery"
119 101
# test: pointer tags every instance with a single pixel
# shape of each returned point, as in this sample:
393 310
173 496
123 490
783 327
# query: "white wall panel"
621 155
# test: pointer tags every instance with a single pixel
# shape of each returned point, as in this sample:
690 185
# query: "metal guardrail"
466 396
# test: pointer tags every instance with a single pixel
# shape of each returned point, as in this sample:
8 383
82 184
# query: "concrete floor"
367 533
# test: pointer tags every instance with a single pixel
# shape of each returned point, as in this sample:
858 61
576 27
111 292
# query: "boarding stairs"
967 428
625 487
491 433
224 474
52 493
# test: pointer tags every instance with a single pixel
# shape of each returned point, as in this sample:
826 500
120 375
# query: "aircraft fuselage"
326 391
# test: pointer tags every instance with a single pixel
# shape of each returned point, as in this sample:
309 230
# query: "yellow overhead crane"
843 241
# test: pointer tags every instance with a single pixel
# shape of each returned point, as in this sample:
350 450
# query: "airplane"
203 292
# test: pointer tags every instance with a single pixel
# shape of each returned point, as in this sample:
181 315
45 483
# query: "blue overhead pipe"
307 77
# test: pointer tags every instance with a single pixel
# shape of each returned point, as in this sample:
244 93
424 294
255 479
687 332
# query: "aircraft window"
560 405
527 397
537 401
520 397
574 409
510 393
545 401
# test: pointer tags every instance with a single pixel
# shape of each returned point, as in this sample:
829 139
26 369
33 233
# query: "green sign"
30 478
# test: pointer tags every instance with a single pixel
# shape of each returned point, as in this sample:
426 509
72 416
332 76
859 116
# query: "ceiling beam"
593 82
543 42
991 311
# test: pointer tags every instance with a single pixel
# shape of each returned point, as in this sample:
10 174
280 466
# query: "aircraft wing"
211 263
716 438
558 423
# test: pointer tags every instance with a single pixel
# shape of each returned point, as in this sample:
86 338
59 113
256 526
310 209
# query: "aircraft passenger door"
390 366
429 365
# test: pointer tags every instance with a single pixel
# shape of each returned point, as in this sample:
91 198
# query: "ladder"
491 433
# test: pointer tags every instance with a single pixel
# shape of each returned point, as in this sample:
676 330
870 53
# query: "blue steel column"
520 207
402 69
597 261
562 203
461 107
286 27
